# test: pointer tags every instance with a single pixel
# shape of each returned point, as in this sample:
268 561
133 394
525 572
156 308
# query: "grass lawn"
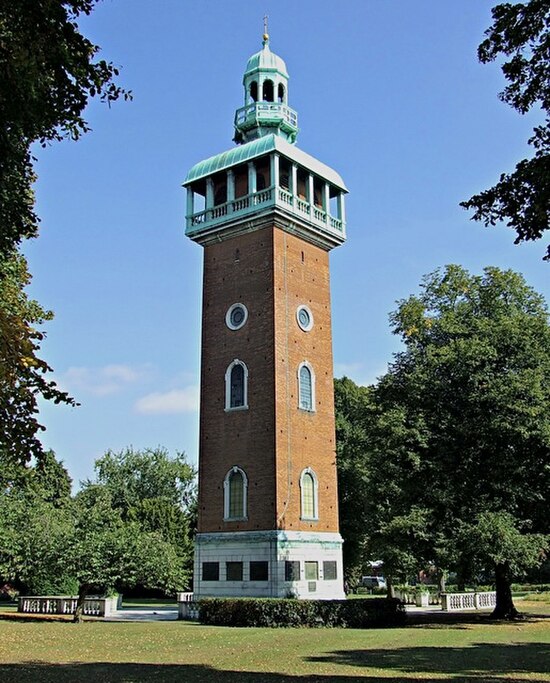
467 648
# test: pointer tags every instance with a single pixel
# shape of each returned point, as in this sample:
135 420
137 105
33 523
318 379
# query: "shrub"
286 612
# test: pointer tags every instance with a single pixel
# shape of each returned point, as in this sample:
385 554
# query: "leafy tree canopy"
520 33
81 546
154 491
136 475
458 438
476 371
48 71
23 375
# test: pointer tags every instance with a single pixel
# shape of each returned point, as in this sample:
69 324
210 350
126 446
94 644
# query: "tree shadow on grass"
105 672
462 620
474 661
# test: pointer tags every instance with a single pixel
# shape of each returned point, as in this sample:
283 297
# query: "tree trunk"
461 578
504 608
441 580
390 590
79 612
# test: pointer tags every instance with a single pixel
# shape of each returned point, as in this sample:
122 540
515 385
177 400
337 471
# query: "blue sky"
388 92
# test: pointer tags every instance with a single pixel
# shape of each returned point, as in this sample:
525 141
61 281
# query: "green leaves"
48 72
23 375
448 460
521 198
498 537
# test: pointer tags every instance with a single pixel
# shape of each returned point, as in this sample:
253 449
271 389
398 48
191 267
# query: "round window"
236 316
305 318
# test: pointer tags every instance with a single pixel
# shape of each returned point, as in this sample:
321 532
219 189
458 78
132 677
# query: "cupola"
266 109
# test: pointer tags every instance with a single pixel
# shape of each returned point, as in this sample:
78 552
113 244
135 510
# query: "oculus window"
236 316
304 316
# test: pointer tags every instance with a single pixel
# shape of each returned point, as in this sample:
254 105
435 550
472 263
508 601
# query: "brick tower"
267 214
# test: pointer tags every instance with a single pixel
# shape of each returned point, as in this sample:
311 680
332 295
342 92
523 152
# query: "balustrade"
47 604
462 601
250 202
319 215
285 197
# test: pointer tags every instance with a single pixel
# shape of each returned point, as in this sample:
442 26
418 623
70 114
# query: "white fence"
451 602
48 604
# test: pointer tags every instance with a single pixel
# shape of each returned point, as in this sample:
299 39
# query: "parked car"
373 582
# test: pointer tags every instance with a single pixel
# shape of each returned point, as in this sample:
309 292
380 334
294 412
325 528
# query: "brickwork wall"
241 437
271 272
303 439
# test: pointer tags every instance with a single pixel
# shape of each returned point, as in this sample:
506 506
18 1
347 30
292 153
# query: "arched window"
236 385
308 494
235 493
268 91
306 387
254 91
281 93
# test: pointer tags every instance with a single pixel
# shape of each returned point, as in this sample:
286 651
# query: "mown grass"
470 648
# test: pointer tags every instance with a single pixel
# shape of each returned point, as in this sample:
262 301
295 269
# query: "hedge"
284 612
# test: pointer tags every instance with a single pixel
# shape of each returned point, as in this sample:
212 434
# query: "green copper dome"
265 60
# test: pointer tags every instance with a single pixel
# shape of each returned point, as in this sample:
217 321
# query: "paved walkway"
144 614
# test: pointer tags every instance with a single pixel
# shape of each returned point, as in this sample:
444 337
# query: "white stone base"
276 548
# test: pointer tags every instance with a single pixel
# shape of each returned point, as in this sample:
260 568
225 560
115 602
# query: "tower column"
341 208
230 189
209 194
190 201
326 201
294 182
274 169
310 194
251 177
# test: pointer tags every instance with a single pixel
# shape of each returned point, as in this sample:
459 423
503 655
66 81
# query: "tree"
378 453
475 373
136 475
352 405
22 373
521 33
50 479
105 550
151 489
48 72
81 546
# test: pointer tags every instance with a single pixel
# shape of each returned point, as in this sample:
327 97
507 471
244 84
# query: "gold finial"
266 34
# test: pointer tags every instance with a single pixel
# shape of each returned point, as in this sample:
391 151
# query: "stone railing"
418 598
242 206
48 604
188 607
451 602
